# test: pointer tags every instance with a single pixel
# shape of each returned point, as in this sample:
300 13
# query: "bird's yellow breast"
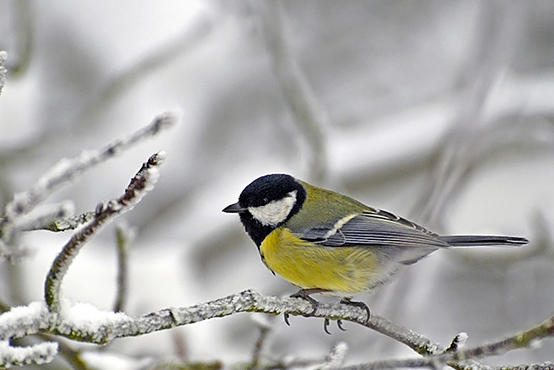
343 270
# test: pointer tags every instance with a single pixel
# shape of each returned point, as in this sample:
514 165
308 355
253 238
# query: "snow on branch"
18 356
21 321
143 182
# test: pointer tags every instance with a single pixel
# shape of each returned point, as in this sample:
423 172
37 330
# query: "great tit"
325 242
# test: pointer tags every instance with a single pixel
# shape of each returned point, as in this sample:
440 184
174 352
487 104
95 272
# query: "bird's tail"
482 240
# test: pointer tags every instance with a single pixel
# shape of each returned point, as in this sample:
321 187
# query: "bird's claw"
286 317
326 326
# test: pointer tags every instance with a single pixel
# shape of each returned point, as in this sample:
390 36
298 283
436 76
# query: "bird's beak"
234 208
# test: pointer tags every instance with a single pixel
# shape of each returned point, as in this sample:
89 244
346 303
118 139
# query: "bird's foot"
362 305
305 294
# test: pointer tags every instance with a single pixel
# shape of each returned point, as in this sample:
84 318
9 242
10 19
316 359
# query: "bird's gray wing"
407 241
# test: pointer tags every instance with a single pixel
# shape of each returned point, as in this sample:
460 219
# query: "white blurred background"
439 111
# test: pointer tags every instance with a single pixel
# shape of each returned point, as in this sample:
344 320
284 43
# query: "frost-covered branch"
84 322
67 169
45 217
140 184
69 223
459 358
18 356
3 71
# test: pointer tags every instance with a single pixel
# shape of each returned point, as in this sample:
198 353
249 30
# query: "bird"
328 243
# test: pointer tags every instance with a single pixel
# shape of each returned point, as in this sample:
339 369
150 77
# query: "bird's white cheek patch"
274 212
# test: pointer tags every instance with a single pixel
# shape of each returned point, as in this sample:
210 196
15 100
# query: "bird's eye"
265 200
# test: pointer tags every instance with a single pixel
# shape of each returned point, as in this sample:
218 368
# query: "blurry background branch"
307 112
495 39
154 60
264 325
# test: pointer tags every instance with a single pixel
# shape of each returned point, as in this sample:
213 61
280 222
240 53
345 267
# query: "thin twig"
123 238
70 223
140 184
45 218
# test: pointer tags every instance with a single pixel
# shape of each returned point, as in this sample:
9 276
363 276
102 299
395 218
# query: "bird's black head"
267 203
